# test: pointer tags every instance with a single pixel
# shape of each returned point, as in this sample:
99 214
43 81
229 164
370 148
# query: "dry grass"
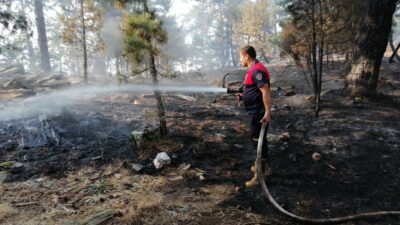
219 193
6 210
146 202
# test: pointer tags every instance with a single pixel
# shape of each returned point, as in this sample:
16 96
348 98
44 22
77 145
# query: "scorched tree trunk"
372 40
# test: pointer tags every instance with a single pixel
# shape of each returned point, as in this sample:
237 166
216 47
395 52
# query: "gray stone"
48 184
17 168
3 177
147 134
137 167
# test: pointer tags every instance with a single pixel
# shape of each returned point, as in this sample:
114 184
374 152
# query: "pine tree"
143 34
82 21
255 26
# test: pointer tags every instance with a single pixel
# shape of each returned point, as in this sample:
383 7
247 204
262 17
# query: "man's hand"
239 96
266 118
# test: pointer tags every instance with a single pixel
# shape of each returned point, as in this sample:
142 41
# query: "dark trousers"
255 128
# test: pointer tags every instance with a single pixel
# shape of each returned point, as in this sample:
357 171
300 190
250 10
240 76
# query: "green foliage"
340 21
12 23
71 25
100 187
143 32
254 24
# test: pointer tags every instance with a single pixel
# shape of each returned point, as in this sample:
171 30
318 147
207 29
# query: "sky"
180 8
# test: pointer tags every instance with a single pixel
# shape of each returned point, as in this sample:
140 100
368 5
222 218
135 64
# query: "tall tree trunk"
157 94
85 62
231 46
42 36
372 40
320 61
31 53
314 52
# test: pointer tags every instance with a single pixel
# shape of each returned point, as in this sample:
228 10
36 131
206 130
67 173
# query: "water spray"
49 103
283 211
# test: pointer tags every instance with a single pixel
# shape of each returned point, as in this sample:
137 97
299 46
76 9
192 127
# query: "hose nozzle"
232 90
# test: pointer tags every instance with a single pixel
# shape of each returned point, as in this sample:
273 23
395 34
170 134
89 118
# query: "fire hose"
283 211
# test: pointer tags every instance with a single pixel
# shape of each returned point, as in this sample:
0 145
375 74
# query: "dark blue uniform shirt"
252 95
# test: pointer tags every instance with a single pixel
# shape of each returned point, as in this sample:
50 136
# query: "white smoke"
111 33
53 103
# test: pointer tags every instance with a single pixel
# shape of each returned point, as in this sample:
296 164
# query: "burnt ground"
86 166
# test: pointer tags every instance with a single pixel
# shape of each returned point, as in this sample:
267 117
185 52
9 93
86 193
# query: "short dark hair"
250 50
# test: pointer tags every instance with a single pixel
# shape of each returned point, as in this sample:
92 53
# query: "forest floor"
90 169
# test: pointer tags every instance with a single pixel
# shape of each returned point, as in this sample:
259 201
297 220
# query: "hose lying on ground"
299 218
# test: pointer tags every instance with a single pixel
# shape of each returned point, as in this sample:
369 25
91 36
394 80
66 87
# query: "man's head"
247 55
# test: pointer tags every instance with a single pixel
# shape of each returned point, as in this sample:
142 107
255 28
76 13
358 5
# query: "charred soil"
84 166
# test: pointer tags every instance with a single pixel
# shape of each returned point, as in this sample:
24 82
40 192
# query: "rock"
148 134
316 156
48 184
161 160
200 176
3 177
17 168
284 136
137 167
40 180
31 184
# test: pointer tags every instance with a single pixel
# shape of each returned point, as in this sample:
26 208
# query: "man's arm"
266 96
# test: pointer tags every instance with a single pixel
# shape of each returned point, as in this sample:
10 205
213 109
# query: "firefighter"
256 98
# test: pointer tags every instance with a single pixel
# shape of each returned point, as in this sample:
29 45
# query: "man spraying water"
256 97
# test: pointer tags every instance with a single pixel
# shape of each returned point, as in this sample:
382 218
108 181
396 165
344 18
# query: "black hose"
299 218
